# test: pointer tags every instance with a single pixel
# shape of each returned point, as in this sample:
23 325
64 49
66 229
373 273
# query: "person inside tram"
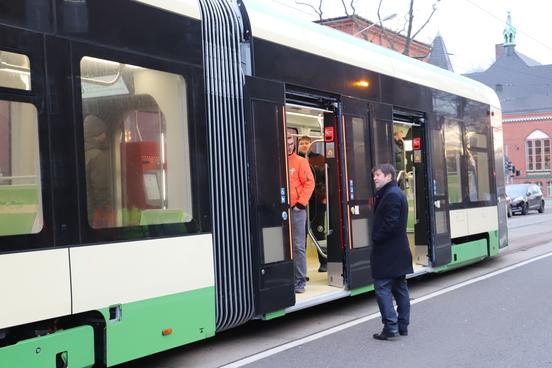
98 173
400 155
400 158
301 186
317 202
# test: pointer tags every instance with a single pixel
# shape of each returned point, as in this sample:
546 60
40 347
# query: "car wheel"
541 208
525 208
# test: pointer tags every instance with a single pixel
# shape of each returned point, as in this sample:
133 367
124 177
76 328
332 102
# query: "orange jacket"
301 180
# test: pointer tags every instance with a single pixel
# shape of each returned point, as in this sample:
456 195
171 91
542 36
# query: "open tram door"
440 239
357 193
419 158
272 264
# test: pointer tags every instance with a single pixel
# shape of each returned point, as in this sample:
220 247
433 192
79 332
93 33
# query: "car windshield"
517 190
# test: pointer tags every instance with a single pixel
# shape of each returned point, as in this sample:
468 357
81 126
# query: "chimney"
499 50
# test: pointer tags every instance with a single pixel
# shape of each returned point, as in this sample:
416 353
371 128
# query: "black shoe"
323 268
384 335
403 332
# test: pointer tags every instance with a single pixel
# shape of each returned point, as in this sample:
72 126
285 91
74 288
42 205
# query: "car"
524 198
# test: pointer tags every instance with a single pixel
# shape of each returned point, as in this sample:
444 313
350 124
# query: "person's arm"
307 184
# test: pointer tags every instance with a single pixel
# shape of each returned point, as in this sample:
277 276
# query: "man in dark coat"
391 258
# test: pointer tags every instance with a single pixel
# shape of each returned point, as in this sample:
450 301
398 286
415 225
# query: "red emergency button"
417 143
329 134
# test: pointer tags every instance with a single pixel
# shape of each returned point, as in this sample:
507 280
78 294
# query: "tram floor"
318 281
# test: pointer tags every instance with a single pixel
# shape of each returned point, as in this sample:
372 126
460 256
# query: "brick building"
375 33
524 88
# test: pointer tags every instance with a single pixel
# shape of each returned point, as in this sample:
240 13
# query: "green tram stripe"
138 331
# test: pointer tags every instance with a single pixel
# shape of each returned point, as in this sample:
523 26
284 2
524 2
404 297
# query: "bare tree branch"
353 6
318 11
428 19
345 7
406 49
383 32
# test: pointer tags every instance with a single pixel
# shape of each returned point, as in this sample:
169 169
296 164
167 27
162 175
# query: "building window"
549 188
137 157
537 151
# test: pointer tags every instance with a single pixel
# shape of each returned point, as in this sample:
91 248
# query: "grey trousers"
298 224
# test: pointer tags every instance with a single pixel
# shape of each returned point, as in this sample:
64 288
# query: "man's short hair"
305 138
386 169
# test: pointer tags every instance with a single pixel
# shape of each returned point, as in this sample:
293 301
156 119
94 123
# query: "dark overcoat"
391 255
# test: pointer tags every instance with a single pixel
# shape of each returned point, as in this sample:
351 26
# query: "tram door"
438 195
273 272
418 150
357 214
410 163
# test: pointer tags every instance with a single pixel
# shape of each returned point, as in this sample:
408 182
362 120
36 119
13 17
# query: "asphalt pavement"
501 321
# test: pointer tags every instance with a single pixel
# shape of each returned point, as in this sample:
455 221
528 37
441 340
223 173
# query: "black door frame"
437 184
358 190
269 207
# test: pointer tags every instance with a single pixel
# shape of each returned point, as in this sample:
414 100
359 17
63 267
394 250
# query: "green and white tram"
188 234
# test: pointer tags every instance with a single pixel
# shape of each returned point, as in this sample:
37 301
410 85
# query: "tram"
180 229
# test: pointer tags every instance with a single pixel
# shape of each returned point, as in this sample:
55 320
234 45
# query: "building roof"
363 22
523 84
439 55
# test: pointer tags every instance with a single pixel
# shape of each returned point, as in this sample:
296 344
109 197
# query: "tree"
319 10
407 31
408 26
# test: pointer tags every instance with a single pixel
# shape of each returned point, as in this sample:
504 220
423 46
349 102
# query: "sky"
470 28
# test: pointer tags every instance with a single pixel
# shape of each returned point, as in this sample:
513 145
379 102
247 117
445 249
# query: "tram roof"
273 24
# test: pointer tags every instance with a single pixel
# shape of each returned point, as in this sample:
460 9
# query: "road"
530 237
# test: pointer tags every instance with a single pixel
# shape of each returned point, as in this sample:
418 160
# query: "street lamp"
391 16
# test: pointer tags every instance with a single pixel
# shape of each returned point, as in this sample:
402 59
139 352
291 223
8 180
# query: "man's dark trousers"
386 289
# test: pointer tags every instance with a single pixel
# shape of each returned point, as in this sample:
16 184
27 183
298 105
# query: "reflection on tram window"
479 185
20 191
453 154
15 71
137 157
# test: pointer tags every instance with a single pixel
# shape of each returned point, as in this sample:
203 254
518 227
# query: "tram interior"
143 110
308 122
410 168
20 180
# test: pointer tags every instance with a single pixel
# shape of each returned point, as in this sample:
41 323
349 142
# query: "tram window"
137 158
15 71
479 186
453 154
20 190
360 160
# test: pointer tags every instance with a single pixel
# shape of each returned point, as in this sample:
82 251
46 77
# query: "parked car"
525 197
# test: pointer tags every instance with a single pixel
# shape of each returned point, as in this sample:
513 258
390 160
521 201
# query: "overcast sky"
470 28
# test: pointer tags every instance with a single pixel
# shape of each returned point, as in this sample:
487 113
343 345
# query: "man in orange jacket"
301 186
